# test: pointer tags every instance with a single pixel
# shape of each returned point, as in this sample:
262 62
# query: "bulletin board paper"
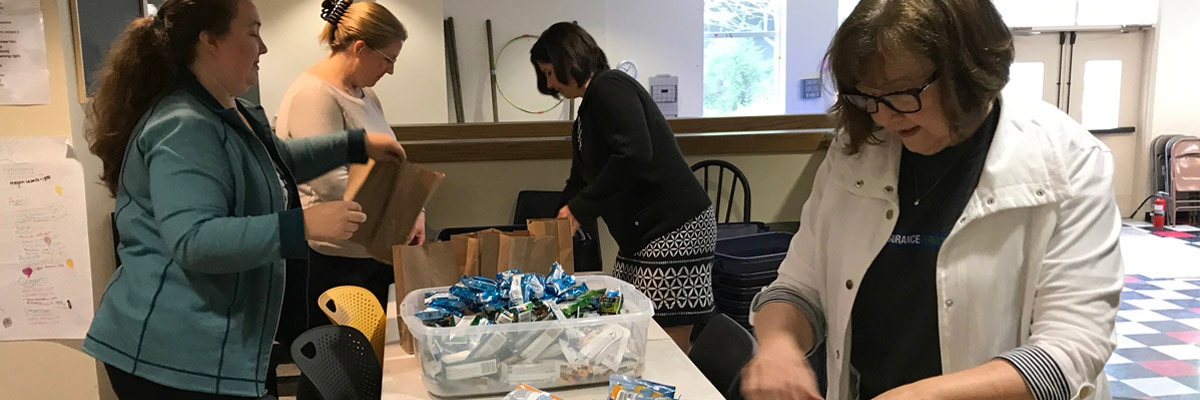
45 268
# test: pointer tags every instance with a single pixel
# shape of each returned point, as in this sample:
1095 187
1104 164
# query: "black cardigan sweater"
626 166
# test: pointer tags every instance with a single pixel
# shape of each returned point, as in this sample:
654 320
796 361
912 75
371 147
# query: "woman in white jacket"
955 245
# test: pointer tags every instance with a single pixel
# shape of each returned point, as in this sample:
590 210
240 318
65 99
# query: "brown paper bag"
489 252
466 253
560 230
519 250
429 265
392 195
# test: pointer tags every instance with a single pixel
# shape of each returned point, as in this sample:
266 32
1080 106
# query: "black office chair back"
709 170
722 350
340 362
536 204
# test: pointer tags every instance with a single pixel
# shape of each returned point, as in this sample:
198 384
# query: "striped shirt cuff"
1043 375
816 317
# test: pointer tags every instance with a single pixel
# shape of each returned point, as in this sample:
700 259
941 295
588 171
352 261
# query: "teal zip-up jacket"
204 234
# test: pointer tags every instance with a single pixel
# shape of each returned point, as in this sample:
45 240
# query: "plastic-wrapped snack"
504 278
516 294
533 287
582 304
431 296
541 372
610 303
573 292
451 302
488 346
541 311
540 343
526 392
622 387
478 283
462 291
558 281
433 314
471 370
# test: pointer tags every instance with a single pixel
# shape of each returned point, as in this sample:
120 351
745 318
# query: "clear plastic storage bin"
475 360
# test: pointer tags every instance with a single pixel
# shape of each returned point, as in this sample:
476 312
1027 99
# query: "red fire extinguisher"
1160 207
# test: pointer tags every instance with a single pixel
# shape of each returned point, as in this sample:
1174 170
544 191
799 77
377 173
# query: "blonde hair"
369 22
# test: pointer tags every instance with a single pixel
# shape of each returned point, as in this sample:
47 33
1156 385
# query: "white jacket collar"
1023 166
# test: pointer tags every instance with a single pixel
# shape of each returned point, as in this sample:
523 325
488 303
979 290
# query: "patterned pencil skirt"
675 271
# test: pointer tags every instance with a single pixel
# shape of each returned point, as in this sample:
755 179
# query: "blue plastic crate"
751 256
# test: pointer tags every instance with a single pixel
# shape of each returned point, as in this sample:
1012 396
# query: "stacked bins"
744 265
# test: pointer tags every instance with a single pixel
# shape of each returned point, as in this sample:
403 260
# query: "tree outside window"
742 57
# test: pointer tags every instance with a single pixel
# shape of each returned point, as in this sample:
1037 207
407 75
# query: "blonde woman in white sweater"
332 95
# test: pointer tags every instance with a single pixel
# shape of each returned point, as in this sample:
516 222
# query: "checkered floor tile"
1158 347
1185 233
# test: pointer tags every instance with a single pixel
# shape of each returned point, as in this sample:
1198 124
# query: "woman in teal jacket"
206 205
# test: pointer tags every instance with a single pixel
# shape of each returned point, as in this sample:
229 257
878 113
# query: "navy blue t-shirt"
895 317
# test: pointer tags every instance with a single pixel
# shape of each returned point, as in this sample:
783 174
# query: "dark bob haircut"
572 52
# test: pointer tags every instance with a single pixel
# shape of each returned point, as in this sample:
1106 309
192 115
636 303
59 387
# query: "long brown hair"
145 64
966 40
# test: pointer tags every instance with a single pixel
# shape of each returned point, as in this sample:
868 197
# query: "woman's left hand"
384 147
418 231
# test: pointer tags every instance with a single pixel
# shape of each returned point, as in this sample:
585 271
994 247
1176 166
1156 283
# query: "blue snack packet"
622 387
431 314
573 292
478 283
533 287
450 303
462 291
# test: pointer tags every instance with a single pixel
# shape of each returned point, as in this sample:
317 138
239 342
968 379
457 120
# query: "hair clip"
332 10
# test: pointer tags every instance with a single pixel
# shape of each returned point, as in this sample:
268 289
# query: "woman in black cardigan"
627 169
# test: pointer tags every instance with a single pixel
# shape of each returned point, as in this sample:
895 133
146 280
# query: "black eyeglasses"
902 101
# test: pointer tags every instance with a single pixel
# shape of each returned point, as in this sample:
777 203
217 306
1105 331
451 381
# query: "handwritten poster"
45 270
24 77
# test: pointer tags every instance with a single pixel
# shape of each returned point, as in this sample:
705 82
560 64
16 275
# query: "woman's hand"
779 372
565 212
384 147
418 231
332 221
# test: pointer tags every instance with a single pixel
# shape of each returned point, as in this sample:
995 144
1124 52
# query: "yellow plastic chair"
358 308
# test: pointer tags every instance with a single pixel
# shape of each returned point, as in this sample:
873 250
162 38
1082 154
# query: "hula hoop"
501 90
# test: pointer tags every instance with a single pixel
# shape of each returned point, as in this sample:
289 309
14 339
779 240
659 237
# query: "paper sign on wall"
24 77
45 264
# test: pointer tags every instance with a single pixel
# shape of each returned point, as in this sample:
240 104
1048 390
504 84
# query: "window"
742 57
1026 81
1101 94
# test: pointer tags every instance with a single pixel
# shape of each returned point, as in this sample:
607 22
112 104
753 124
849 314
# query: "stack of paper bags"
485 253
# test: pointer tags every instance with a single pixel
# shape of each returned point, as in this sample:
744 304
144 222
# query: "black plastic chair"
722 350
536 204
545 204
340 362
736 179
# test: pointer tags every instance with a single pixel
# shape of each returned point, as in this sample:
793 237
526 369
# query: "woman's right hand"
333 220
779 372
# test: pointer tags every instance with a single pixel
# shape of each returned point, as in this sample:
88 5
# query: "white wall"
660 37
807 31
1172 82
414 94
